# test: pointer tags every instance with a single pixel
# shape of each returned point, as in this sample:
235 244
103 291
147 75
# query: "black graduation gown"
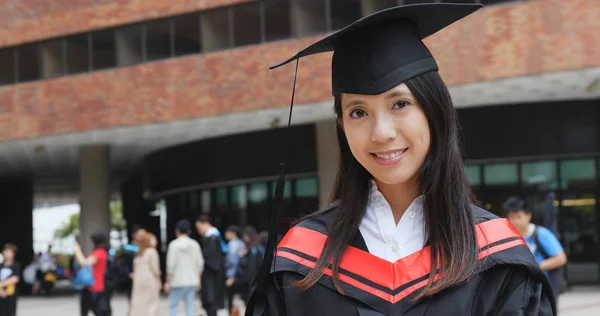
213 277
508 280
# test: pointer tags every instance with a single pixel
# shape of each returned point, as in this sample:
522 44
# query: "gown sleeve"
511 290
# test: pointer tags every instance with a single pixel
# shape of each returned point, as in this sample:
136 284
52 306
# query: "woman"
10 270
145 295
94 297
401 204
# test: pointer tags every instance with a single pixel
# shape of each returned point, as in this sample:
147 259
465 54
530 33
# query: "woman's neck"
399 196
8 262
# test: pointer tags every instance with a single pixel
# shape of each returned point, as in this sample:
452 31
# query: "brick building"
172 101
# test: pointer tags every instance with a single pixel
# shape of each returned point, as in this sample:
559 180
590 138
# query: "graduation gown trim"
390 281
390 287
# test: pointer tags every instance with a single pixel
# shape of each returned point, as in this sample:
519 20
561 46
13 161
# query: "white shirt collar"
383 237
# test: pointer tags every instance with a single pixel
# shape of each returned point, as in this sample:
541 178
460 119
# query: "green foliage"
71 226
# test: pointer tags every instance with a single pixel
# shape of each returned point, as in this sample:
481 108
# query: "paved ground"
580 301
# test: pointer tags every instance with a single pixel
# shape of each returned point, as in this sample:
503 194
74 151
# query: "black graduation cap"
371 56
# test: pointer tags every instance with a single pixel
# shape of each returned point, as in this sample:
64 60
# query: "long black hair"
447 197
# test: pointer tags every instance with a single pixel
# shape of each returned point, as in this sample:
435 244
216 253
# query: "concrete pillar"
94 190
327 158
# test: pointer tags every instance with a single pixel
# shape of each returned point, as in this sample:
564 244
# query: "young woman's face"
388 133
8 255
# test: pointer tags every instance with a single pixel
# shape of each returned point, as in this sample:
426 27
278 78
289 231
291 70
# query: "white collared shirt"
383 237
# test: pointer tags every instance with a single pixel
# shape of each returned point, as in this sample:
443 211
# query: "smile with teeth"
389 155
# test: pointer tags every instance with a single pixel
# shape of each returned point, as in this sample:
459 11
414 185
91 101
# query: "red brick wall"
506 41
30 20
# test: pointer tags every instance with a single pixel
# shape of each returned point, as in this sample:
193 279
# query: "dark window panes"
501 182
104 49
308 17
29 62
539 174
307 188
205 197
246 29
371 6
239 203
52 58
473 174
129 45
158 39
578 174
7 66
344 12
78 53
287 191
578 234
258 214
277 20
186 30
215 30
500 174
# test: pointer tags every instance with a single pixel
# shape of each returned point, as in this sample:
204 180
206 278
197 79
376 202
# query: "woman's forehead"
397 91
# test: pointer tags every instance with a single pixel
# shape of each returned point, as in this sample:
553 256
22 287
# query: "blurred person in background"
130 251
10 272
214 250
544 245
235 250
94 298
185 263
145 296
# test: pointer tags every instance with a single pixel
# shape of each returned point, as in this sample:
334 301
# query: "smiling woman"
402 236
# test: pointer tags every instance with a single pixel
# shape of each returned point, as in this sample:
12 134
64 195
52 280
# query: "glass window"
246 24
258 213
500 174
307 187
222 199
129 45
473 175
277 20
158 39
78 53
7 66
540 174
578 174
215 30
344 12
460 1
414 1
187 34
104 49
206 199
194 200
308 17
29 62
239 196
287 191
52 58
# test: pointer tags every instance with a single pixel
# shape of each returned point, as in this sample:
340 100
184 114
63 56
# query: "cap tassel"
257 304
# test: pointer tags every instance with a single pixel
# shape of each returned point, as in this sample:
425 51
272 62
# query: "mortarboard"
370 56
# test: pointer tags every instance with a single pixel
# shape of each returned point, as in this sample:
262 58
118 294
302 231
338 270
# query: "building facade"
172 102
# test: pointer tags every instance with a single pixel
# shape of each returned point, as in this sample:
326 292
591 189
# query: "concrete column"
327 158
94 190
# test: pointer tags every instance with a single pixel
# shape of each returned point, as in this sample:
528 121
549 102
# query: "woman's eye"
401 104
358 113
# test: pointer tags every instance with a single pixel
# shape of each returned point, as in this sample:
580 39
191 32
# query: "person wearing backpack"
544 245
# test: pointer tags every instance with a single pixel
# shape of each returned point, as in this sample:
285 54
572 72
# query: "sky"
46 221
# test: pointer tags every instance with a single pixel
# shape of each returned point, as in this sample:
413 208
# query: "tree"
71 226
